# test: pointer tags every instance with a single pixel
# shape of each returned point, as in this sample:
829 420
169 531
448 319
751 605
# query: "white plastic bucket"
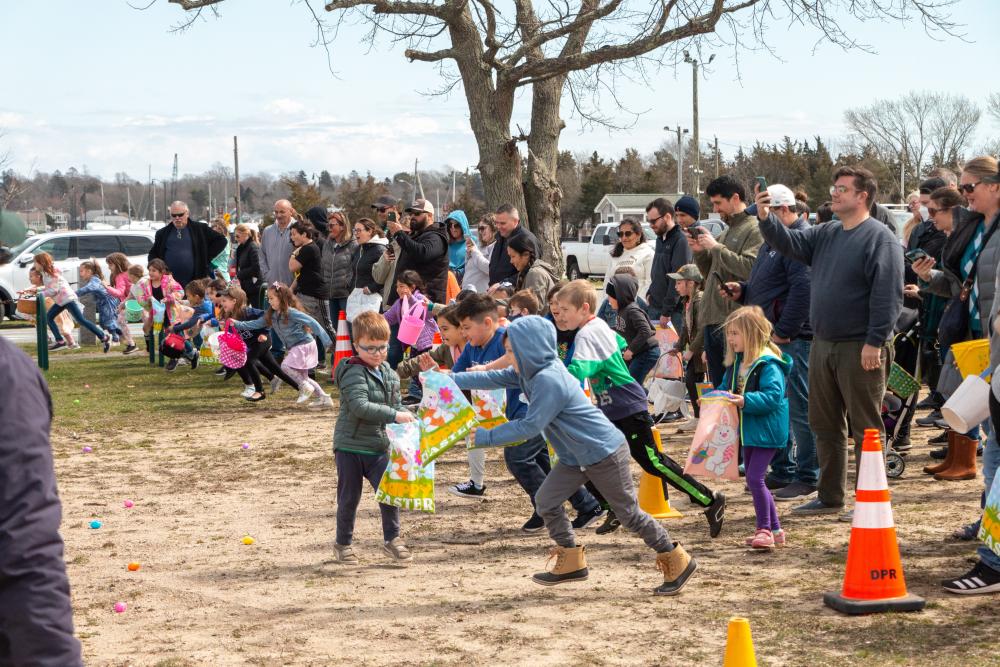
968 406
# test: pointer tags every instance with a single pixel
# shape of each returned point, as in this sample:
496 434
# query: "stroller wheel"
894 465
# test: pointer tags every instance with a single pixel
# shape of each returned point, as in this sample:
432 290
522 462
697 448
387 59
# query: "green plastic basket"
133 311
902 383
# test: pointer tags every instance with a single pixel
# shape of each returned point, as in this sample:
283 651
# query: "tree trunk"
543 193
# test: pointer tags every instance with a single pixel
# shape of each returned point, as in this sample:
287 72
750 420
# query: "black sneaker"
716 514
467 490
931 402
106 343
930 420
58 345
411 400
171 366
980 580
939 454
902 446
670 417
587 519
221 371
795 491
230 372
130 349
610 525
194 360
774 485
534 524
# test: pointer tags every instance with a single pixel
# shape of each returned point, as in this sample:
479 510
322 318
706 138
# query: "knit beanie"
688 204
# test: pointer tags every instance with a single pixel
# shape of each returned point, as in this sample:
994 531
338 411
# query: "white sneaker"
305 391
322 402
275 385
687 426
248 391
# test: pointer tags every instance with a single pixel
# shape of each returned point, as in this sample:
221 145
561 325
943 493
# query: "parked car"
68 249
591 257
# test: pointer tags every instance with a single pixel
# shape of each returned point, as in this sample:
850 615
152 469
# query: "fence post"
264 305
41 333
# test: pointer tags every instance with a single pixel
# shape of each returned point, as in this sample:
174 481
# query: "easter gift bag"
490 407
408 481
669 366
715 448
989 528
445 415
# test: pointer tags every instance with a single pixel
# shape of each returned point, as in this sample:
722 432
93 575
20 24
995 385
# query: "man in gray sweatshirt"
856 297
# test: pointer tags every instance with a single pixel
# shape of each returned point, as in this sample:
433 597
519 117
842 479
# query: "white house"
613 208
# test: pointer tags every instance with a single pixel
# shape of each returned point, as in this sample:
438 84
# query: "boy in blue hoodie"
589 446
528 462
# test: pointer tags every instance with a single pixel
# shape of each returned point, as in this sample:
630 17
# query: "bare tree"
581 49
993 106
920 128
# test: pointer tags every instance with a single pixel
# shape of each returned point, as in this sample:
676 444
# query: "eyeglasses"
967 188
483 228
652 220
181 215
381 210
628 233
374 349
840 189
935 211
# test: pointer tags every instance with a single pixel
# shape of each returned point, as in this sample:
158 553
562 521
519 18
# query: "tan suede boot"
677 567
963 464
571 565
948 459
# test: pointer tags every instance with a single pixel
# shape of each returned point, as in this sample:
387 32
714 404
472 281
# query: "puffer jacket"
337 267
764 415
366 256
425 252
540 277
367 404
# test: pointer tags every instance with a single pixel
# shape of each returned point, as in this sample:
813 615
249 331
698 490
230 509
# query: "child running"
159 285
756 376
92 280
63 320
57 287
203 312
369 399
289 324
119 286
409 287
589 447
632 323
596 356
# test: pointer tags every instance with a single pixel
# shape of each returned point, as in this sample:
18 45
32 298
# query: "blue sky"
109 87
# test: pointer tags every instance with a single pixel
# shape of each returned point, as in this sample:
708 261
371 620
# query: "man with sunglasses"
385 207
672 252
423 249
187 246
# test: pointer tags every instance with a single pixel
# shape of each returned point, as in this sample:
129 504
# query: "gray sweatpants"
613 478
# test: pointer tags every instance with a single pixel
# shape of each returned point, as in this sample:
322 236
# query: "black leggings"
259 353
691 380
995 413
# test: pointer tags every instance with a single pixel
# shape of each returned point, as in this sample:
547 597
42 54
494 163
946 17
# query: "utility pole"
680 155
694 136
716 157
902 176
236 164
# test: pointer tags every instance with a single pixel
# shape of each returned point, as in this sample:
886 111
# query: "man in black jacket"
508 222
424 250
36 619
672 252
187 246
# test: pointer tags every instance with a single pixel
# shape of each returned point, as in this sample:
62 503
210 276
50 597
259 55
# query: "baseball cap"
385 201
420 206
687 272
781 195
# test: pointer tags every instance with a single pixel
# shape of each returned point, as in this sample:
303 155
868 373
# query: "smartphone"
722 284
761 184
915 255
695 230
391 217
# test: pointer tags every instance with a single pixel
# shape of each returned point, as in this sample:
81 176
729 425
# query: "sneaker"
716 514
230 372
256 397
275 384
248 391
816 506
610 525
966 533
795 491
305 391
671 417
931 402
106 344
171 365
980 580
58 345
587 519
762 539
774 485
397 551
72 346
688 426
467 490
534 524
846 516
345 554
322 402
411 400
221 371
930 420
130 349
194 360
778 536
321 366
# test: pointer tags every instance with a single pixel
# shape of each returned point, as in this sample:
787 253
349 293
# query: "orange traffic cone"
873 582
343 349
437 341
653 492
739 645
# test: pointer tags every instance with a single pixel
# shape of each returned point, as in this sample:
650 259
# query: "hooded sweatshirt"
557 407
632 322
456 249
764 416
540 277
596 356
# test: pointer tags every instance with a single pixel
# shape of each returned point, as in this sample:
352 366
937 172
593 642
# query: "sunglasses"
935 211
967 188
483 228
181 215
626 233
381 210
374 349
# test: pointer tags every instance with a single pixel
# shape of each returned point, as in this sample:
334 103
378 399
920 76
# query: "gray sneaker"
397 550
794 491
345 554
846 517
817 506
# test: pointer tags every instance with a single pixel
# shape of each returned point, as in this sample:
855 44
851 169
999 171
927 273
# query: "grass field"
171 443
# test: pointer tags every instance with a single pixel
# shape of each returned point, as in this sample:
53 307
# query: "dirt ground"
202 597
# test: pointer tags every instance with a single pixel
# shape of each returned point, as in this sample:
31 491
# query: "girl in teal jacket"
756 378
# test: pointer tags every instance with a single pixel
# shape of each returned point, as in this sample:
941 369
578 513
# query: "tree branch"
394 7
583 19
430 56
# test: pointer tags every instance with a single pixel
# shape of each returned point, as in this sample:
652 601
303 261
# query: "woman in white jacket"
477 258
632 250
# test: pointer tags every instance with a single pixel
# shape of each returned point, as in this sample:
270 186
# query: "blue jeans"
529 464
277 347
192 347
715 353
73 308
801 463
640 365
395 347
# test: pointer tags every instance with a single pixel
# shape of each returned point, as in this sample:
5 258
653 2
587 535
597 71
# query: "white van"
68 249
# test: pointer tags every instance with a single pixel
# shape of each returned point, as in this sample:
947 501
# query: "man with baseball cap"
383 207
424 250
780 285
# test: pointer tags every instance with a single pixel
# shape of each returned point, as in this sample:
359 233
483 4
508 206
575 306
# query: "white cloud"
284 106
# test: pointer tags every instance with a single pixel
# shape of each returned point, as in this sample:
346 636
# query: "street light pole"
694 105
680 155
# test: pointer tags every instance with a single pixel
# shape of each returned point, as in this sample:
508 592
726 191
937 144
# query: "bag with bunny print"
408 481
715 448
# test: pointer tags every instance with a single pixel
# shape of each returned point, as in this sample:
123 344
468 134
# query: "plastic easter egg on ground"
86 386
128 504
133 567
245 445
88 449
76 401
247 539
120 607
95 524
